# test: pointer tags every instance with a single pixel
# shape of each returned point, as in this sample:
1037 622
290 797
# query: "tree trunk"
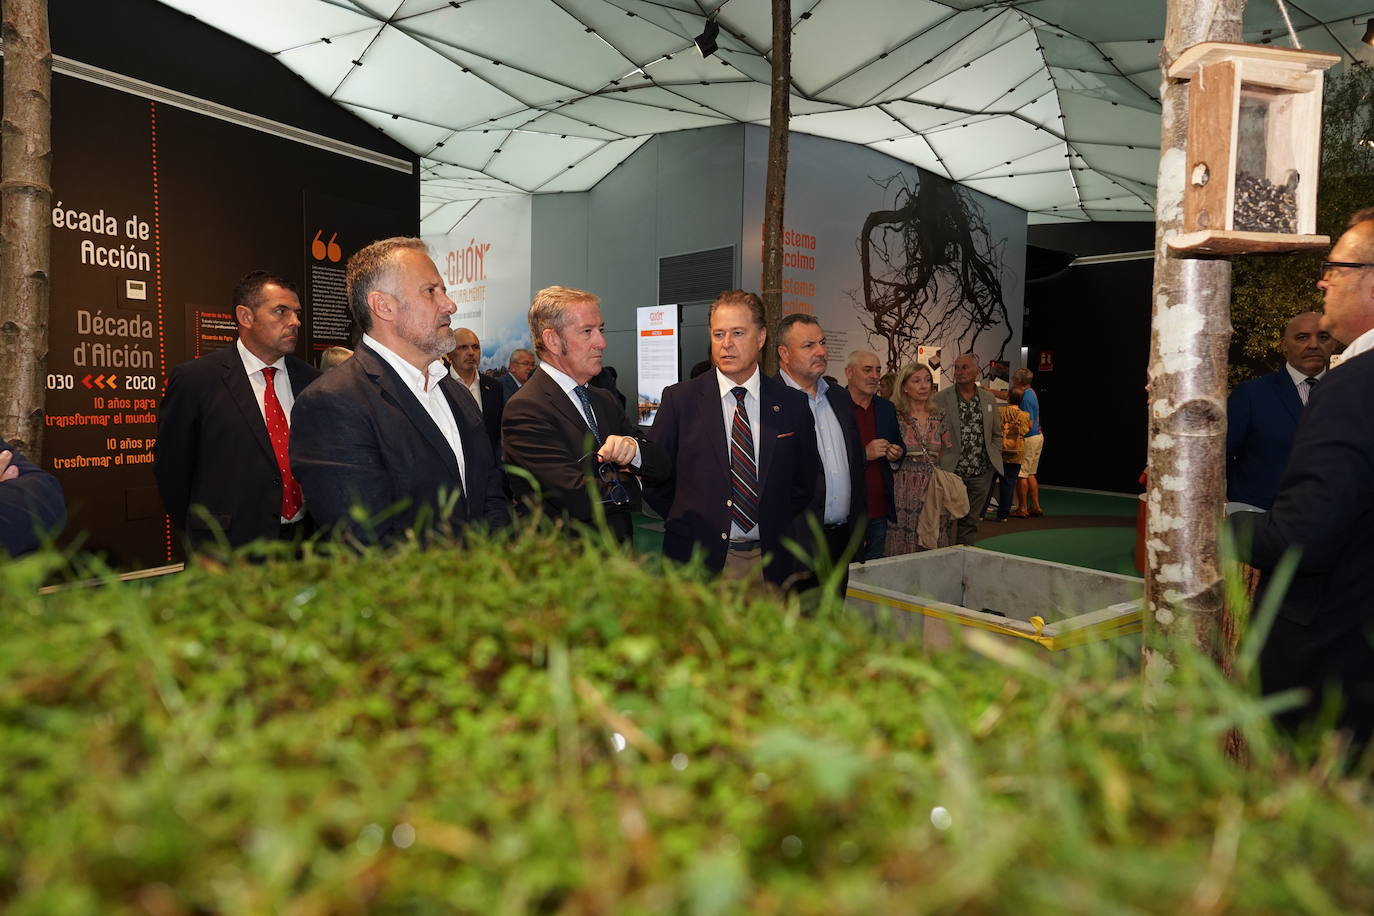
1191 331
25 217
779 122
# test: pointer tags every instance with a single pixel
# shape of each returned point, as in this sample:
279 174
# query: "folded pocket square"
785 435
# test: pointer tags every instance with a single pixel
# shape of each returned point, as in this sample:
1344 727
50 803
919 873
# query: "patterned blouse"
973 458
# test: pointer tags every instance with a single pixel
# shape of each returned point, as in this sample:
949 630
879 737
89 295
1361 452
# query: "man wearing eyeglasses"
1324 509
1262 413
575 440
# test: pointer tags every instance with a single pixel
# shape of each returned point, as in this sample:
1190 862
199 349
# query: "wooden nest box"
1254 140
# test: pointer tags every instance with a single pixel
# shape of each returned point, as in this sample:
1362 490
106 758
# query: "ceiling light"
706 41
1369 34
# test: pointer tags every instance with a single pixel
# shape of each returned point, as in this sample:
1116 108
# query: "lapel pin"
776 408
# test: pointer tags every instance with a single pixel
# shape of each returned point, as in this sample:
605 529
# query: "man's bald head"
1305 346
466 353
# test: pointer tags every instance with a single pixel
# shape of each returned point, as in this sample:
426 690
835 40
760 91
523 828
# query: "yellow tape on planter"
1117 626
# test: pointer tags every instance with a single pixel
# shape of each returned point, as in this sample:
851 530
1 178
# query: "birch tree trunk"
775 191
25 216
1191 330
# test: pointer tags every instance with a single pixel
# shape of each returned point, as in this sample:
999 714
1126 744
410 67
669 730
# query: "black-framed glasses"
1327 265
612 484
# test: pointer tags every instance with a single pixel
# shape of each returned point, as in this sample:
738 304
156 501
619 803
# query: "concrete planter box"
926 596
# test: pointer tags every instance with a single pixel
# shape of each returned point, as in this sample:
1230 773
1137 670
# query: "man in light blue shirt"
839 502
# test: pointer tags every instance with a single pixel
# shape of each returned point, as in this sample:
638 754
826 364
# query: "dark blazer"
544 433
212 449
31 506
691 427
1325 509
1261 417
843 407
360 437
885 419
493 401
508 386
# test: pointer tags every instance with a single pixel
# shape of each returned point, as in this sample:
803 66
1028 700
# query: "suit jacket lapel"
709 391
769 427
1287 393
395 391
241 393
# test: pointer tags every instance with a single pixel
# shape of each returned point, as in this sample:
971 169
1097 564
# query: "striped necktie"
744 473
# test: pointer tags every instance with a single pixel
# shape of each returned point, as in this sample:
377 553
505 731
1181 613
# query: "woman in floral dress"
926 437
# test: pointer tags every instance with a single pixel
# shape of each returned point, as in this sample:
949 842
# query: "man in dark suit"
1262 413
486 393
1324 510
221 456
390 431
575 440
519 368
881 439
31 506
743 447
841 497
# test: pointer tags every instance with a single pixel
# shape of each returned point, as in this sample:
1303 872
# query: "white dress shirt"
834 454
475 389
281 384
425 387
1300 381
727 411
568 383
1359 345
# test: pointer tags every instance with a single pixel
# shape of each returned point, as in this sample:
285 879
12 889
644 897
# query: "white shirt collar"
414 379
252 364
1359 345
564 380
750 385
1297 375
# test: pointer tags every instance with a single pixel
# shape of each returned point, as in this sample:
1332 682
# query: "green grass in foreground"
535 728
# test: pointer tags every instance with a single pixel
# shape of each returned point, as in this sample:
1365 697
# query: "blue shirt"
1031 405
834 455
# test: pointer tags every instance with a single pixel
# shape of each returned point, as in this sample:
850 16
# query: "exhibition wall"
162 200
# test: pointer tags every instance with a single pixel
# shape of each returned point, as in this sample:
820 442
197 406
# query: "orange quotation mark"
320 251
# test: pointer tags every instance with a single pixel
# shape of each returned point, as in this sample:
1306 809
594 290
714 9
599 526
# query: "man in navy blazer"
1324 510
743 447
218 469
487 393
881 438
31 505
390 431
1262 413
519 368
839 504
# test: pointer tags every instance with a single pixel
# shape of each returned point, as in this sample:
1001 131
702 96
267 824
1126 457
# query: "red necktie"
280 435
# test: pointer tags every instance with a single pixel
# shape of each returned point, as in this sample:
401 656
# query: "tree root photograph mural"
931 273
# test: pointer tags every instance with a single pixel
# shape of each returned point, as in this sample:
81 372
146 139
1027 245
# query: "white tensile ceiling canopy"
1050 105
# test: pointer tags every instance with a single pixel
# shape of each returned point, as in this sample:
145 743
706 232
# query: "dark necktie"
744 474
581 392
279 434
1309 384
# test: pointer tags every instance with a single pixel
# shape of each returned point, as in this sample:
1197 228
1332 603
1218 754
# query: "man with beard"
221 456
486 393
841 495
390 430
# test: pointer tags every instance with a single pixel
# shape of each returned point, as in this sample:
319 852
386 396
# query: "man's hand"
877 449
7 470
618 450
894 452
